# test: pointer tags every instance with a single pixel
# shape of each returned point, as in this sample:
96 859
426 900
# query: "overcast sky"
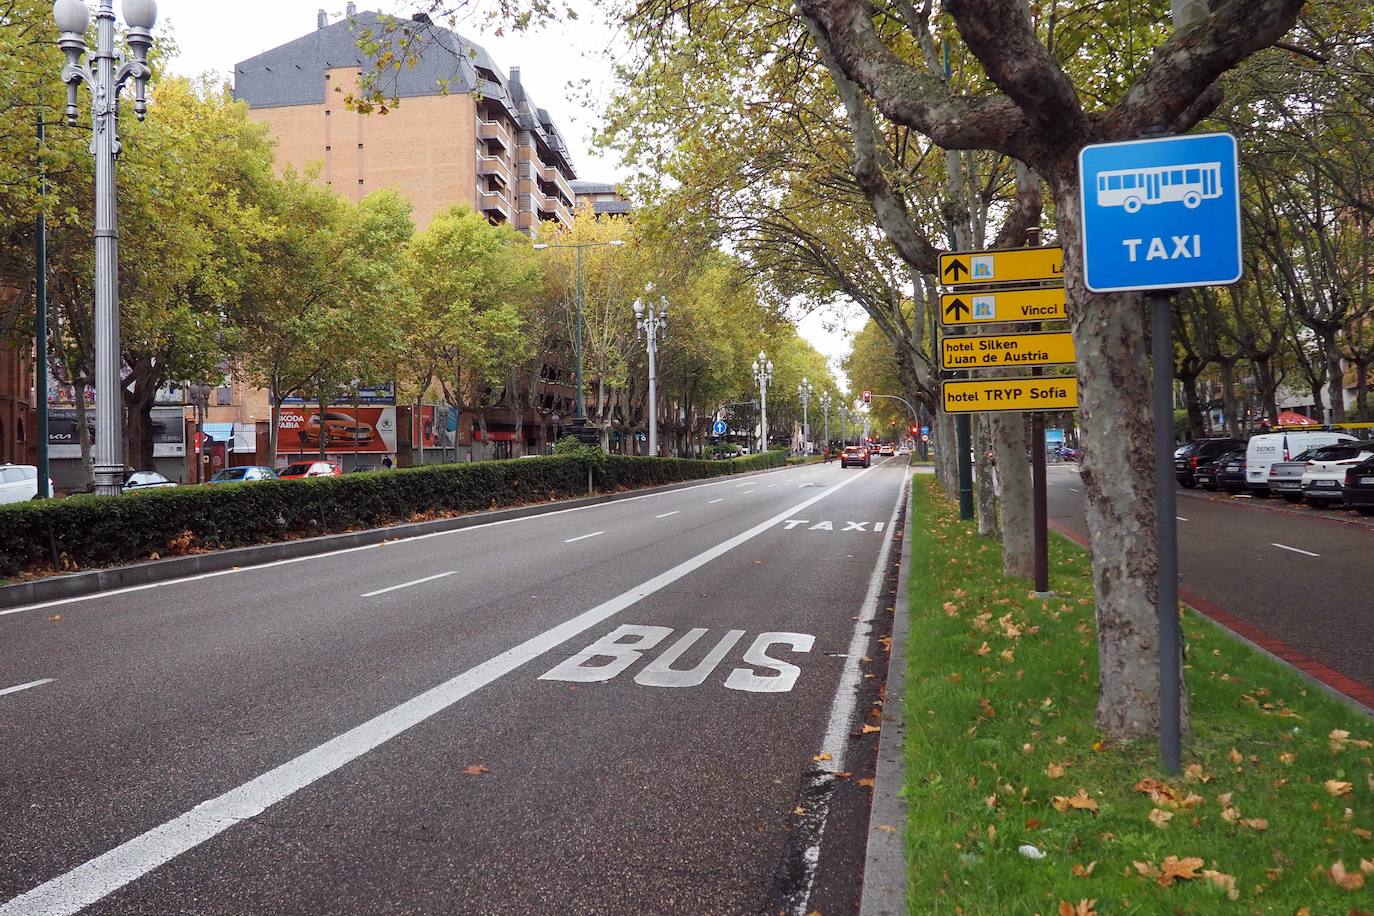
215 36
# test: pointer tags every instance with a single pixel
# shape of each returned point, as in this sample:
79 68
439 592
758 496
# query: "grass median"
1017 806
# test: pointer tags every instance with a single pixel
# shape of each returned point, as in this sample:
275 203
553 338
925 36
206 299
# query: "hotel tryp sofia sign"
1160 214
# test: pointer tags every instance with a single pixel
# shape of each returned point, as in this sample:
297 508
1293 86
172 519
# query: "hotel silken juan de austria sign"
1012 286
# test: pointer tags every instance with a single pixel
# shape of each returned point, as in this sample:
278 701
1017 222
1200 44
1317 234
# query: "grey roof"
445 62
612 207
592 187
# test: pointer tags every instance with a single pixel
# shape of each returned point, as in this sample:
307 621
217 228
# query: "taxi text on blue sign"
1159 214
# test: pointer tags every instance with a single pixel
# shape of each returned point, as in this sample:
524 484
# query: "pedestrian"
386 463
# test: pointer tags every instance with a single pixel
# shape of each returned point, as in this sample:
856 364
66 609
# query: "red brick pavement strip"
1343 684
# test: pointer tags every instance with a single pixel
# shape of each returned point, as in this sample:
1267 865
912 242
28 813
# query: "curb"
150 572
885 867
1340 687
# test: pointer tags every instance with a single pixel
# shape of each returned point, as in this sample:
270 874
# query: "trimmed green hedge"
95 531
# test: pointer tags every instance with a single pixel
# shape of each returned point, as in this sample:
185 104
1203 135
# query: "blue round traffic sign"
719 428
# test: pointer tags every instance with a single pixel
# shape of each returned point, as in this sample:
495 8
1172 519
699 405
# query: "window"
1114 183
1194 175
327 148
19 431
11 475
1177 176
1128 181
224 396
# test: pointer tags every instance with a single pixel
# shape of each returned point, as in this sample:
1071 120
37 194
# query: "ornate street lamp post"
106 73
804 392
825 406
763 374
650 322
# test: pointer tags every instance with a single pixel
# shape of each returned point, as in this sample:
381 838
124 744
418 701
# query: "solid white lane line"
666 514
714 501
16 689
835 744
1306 553
746 492
58 602
583 537
1072 490
1180 518
91 881
383 591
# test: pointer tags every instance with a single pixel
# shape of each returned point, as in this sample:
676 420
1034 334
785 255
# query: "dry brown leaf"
476 769
1147 869
821 758
870 729
1345 880
1287 758
1224 881
1193 772
1054 771
799 810
1080 801
1160 793
1160 818
1083 871
1258 824
1082 908
990 801
1337 787
1367 866
1184 869
1234 756
1007 655
866 783
984 649
886 828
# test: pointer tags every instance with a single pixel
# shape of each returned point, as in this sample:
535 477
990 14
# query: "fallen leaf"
1054 771
984 649
1337 787
476 769
1147 869
886 828
951 609
1224 881
990 801
1160 818
1287 758
1008 655
1257 824
1083 871
1184 869
1079 801
1082 908
1193 773
842 774
870 729
1234 756
866 783
820 758
799 810
1346 881
55 617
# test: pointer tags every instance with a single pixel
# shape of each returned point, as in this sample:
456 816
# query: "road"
1303 578
625 708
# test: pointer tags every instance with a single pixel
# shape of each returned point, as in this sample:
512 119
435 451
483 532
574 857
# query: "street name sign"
719 428
1160 214
1005 306
1009 265
1055 392
990 352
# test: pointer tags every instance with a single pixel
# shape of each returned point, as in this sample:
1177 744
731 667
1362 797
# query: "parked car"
1207 473
1359 487
1267 448
310 469
244 474
19 482
856 456
886 451
1324 479
1231 472
1188 457
1285 477
146 480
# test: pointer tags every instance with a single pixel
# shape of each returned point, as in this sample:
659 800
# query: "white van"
1268 448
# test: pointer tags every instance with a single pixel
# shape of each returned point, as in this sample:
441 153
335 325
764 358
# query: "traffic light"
912 429
868 396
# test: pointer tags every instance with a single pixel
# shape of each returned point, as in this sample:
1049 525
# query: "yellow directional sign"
1011 265
1051 392
1005 306
1001 352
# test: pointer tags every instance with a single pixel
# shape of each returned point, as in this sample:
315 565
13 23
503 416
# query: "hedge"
84 531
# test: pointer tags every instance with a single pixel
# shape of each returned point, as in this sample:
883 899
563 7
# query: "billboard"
362 430
365 394
168 427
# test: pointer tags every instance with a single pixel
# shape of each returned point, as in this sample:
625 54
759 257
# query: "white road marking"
97 878
19 687
383 591
1306 553
583 537
836 740
1073 490
1180 518
746 492
714 501
58 602
666 514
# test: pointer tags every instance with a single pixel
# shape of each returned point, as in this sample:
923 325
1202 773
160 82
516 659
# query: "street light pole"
577 332
825 406
99 73
763 374
804 392
649 323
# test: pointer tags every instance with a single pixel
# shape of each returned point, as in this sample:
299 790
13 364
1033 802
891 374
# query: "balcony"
495 167
494 203
495 130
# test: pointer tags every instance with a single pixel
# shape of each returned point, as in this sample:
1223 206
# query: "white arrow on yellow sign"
991 352
1010 265
1054 392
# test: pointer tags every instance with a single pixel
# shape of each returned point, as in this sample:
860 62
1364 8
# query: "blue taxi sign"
1161 213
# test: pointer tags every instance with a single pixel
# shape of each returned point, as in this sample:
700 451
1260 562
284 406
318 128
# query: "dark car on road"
1359 487
1188 458
1207 474
1231 472
855 456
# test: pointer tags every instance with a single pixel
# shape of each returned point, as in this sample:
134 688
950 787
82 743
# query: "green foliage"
996 739
95 531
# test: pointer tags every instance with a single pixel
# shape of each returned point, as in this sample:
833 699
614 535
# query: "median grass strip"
1018 806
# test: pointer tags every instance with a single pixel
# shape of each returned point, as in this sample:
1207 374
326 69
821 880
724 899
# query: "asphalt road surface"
1305 579
638 707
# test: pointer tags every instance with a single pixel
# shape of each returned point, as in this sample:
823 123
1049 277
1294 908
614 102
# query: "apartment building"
463 132
603 197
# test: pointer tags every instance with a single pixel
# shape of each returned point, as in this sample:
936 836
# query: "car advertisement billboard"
168 429
343 430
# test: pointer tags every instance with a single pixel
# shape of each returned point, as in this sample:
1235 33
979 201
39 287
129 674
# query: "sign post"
1157 215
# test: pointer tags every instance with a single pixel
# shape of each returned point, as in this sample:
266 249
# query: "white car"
1267 448
1324 477
19 482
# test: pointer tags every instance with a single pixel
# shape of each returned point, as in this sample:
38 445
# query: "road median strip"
1017 805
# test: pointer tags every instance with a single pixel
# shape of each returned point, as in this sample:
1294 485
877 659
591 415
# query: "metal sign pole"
1040 505
1166 530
